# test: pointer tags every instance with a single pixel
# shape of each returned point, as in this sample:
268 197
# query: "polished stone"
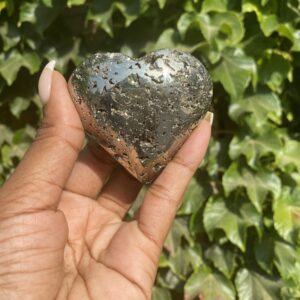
141 110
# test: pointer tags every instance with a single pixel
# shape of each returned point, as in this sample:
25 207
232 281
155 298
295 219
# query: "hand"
62 234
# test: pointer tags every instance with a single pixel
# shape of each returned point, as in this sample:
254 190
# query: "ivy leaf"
235 71
208 285
234 217
101 14
287 261
162 3
262 106
286 258
169 38
39 14
224 260
18 105
184 260
193 199
264 253
10 65
227 23
268 21
71 3
102 11
275 69
214 5
287 30
254 147
257 184
289 155
251 285
10 35
2 5
178 231
287 214
160 294
9 5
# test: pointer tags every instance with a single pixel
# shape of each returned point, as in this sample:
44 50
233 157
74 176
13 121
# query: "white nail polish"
45 82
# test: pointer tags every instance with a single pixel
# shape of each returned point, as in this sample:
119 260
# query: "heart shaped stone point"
141 110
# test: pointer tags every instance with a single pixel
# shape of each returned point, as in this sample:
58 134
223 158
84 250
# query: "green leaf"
227 23
257 184
102 12
214 5
168 280
275 69
234 217
40 15
71 3
264 253
254 147
2 5
193 198
47 3
162 3
168 39
10 65
160 294
224 260
18 105
269 24
208 285
6 156
10 35
287 261
287 214
178 231
289 155
235 71
184 260
10 6
262 106
251 285
268 21
288 31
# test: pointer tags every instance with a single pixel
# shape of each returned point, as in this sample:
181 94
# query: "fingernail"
209 117
45 82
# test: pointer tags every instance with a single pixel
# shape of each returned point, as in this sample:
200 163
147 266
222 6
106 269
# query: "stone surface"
141 110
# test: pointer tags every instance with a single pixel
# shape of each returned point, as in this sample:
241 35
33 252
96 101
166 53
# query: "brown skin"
62 234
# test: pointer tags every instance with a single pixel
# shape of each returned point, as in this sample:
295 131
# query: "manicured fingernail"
45 82
209 117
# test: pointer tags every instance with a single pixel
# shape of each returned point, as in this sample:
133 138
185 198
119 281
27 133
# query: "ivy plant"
236 235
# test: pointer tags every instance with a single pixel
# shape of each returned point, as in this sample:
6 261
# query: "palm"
98 250
62 234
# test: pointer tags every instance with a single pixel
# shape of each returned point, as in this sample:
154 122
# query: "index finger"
163 198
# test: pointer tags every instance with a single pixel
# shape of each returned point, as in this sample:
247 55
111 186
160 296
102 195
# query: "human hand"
62 233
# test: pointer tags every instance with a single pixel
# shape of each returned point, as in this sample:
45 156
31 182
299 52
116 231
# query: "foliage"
236 235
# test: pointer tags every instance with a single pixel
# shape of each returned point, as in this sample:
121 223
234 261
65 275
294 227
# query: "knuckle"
159 191
60 135
183 164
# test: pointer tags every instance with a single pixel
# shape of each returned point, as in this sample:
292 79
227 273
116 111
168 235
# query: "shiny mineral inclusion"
149 101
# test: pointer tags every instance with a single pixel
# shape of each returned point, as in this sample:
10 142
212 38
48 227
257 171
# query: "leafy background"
236 235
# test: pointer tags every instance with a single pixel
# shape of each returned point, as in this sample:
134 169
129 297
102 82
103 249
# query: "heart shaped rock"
141 110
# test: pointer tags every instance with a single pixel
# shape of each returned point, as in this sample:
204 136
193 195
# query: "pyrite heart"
141 110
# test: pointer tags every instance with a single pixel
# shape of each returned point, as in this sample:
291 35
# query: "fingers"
91 171
40 177
119 193
163 198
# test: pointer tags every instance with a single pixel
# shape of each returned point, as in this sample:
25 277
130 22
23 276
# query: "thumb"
40 177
